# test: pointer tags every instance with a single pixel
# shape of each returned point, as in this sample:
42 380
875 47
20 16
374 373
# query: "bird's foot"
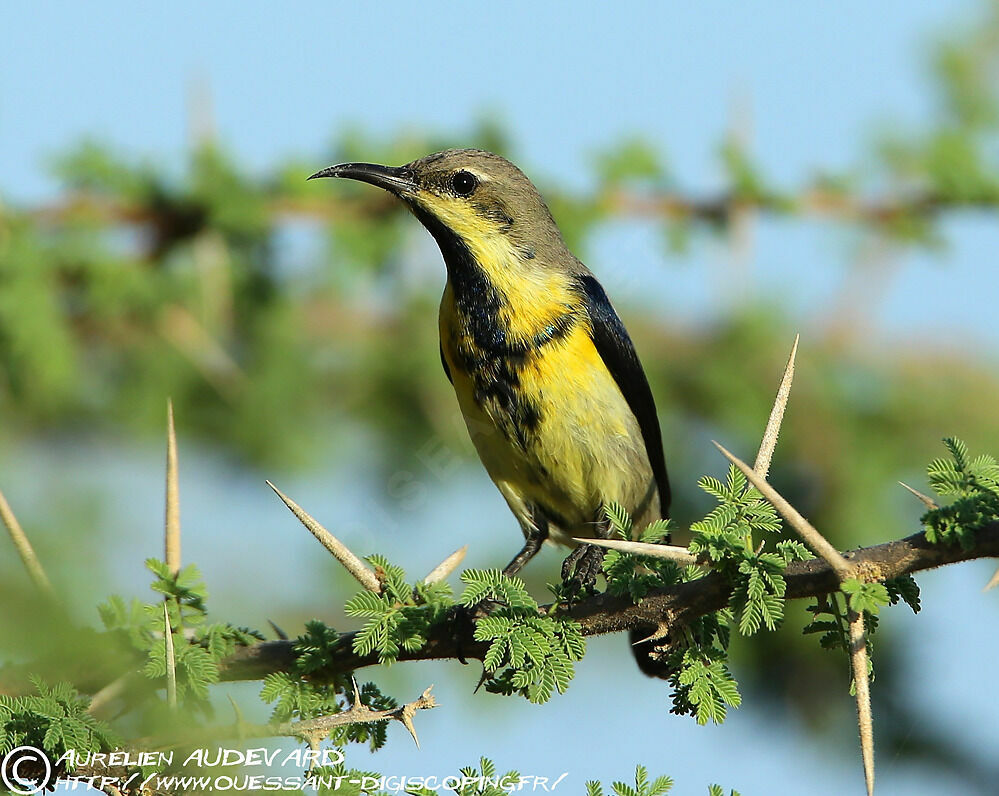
580 570
461 620
533 539
461 624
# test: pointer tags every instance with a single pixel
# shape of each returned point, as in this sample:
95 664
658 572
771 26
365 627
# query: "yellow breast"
551 427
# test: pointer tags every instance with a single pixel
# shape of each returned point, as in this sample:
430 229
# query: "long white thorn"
772 432
354 565
927 501
171 659
993 581
444 569
681 555
25 550
865 718
805 529
172 523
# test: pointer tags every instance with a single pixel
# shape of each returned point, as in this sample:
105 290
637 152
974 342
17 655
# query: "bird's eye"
464 183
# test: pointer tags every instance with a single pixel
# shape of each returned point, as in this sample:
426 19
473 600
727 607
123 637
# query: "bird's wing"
447 370
615 348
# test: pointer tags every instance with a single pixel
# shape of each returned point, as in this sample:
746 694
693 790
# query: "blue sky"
820 79
813 82
817 75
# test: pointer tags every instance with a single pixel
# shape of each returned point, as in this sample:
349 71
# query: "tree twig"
673 606
812 200
313 731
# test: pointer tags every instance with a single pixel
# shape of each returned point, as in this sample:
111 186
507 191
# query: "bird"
547 379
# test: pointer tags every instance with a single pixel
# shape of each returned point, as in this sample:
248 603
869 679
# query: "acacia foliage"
176 652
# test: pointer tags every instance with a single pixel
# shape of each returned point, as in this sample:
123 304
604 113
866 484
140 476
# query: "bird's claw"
580 569
461 620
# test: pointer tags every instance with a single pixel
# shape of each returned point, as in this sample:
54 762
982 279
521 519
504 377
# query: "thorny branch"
672 607
311 731
811 201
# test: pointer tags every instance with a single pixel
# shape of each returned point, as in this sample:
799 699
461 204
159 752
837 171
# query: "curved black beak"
395 179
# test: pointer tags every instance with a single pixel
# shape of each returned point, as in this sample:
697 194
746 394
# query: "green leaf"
619 519
633 159
904 587
367 604
708 685
867 597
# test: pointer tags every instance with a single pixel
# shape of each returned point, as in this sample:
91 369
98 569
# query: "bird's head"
471 196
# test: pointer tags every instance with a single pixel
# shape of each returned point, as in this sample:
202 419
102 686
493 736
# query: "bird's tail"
651 658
